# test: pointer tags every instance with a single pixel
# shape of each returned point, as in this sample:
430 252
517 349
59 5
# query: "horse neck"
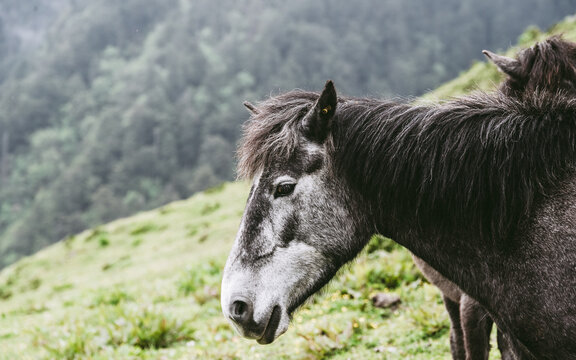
366 143
471 168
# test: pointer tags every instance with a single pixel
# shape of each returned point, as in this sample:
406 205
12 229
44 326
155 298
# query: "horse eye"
284 189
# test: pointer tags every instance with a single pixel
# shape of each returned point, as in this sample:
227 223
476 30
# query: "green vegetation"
80 300
114 107
131 328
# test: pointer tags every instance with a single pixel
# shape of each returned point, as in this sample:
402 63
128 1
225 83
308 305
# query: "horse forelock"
273 131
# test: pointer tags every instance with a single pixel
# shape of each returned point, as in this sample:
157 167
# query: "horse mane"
547 66
477 163
272 130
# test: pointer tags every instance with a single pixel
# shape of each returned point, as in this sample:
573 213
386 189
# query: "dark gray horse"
487 180
548 66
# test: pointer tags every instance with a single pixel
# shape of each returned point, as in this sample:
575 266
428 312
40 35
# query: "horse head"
548 66
297 228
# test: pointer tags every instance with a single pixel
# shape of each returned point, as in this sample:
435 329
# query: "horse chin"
267 330
276 326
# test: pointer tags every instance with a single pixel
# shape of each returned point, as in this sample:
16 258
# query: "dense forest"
113 107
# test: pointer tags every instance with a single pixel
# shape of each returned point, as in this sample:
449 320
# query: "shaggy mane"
479 162
273 130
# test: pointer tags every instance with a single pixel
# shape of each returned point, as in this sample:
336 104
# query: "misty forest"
114 107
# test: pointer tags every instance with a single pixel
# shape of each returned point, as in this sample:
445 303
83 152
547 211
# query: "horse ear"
508 66
316 125
251 108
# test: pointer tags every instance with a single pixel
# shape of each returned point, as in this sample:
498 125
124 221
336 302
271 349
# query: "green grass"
147 287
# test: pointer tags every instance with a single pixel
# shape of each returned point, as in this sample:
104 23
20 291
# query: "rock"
384 300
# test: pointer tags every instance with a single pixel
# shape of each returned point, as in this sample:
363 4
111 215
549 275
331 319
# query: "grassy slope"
152 280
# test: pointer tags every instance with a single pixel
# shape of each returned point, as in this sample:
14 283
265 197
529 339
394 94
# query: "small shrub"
34 283
326 338
165 210
30 308
209 209
431 322
100 236
163 298
190 282
111 297
73 342
136 326
145 328
69 241
5 292
13 277
392 271
8 335
529 36
156 331
122 261
103 241
96 234
202 282
146 228
379 242
68 303
62 287
215 189
192 230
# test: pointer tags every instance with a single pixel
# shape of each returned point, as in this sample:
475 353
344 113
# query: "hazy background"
112 107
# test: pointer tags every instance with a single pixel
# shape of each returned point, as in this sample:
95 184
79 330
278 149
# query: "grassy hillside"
148 287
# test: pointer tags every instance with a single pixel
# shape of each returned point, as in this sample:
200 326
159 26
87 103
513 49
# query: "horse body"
481 188
547 66
529 292
522 274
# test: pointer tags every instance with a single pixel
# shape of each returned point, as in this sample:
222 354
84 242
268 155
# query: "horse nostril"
239 308
241 311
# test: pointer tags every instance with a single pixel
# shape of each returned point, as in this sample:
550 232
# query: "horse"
482 188
547 66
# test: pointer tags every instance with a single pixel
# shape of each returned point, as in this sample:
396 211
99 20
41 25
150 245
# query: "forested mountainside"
113 107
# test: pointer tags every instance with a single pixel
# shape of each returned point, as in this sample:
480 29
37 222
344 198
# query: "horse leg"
505 347
456 337
476 327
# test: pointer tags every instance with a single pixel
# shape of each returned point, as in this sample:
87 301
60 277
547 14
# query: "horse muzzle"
265 328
